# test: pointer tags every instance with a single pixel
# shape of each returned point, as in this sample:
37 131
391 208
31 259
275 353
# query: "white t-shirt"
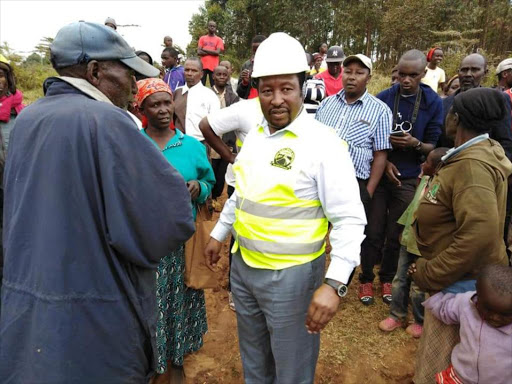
240 118
433 77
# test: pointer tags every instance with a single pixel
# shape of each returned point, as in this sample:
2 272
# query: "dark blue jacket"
427 127
501 134
91 207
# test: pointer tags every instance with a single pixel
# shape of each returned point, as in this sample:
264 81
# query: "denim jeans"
401 286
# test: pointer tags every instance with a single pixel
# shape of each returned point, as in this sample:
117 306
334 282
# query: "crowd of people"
107 173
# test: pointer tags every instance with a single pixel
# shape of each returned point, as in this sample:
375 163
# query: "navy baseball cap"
83 41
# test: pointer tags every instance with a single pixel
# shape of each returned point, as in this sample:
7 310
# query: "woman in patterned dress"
181 321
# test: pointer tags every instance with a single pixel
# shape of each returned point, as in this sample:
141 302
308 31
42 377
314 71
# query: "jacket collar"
86 87
452 152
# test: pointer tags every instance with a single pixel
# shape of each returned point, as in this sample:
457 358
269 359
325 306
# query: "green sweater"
188 156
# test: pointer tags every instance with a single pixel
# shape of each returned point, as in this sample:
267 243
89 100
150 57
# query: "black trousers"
365 196
207 72
382 231
219 169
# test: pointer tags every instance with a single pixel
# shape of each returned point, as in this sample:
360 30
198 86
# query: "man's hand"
245 75
194 189
392 174
412 269
322 308
403 142
212 253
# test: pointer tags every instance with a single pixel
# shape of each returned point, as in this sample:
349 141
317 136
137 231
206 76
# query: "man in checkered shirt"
363 121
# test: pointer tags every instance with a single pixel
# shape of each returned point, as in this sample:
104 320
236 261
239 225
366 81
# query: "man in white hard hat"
293 176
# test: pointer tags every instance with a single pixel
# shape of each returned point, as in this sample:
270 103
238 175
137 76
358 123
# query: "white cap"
504 65
110 20
365 60
279 54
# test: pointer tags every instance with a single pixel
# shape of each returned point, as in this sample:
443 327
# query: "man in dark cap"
333 76
91 207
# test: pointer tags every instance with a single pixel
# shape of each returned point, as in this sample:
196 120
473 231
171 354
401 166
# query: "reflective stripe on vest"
274 228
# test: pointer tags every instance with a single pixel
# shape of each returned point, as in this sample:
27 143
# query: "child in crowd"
401 285
484 354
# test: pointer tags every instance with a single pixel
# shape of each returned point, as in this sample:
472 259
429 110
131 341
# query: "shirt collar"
362 98
194 88
86 87
295 127
214 89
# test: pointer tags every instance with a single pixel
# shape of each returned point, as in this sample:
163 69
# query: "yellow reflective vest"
274 228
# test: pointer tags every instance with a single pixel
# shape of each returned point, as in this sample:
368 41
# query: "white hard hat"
279 54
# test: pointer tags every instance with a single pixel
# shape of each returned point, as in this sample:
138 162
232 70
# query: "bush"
30 79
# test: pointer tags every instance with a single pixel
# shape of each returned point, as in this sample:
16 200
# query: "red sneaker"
386 293
366 293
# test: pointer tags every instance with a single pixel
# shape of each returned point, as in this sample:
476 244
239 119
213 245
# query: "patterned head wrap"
149 86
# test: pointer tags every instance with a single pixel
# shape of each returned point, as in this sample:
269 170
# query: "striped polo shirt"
364 124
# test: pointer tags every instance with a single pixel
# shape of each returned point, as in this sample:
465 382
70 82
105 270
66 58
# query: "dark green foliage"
382 29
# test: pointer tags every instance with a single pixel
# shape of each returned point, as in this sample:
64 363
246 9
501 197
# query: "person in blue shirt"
174 74
181 317
417 119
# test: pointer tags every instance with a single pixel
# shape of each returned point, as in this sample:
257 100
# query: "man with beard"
293 176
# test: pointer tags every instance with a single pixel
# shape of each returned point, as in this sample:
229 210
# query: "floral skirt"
181 321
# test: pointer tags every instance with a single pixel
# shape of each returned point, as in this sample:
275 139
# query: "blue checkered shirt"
365 125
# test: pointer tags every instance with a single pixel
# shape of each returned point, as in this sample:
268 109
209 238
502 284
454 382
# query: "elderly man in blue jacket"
91 207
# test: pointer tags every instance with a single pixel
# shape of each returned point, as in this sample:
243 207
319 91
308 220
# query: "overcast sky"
24 23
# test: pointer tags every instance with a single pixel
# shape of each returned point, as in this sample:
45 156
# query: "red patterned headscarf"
431 53
147 87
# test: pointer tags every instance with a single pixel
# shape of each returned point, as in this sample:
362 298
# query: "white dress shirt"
200 102
328 176
240 118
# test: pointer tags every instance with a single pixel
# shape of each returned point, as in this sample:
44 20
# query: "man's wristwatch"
418 146
340 288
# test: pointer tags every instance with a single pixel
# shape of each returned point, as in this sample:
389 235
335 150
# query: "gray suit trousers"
271 309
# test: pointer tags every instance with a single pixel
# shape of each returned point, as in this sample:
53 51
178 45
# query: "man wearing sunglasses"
417 119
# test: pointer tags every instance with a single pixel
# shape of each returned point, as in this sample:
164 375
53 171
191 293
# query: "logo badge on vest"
283 159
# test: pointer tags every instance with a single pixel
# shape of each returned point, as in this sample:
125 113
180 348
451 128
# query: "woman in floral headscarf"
10 100
181 321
